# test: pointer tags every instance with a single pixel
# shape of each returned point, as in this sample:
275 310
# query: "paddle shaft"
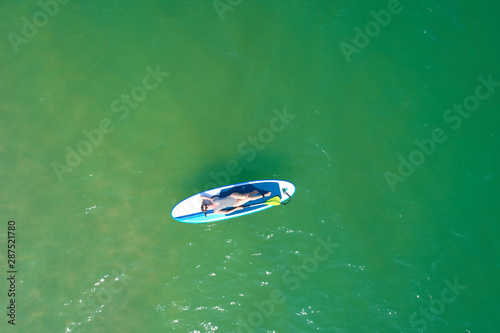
274 201
261 203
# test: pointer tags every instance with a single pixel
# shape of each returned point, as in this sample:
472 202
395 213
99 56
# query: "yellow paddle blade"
274 201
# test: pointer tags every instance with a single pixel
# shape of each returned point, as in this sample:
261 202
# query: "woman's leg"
237 195
255 196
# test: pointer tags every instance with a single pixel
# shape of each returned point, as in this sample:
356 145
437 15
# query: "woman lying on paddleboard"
235 201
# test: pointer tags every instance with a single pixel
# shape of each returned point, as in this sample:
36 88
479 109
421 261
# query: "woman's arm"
206 198
227 211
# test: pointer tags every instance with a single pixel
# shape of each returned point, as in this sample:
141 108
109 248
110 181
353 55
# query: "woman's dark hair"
204 208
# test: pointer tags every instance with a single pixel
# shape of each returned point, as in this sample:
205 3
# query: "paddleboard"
189 210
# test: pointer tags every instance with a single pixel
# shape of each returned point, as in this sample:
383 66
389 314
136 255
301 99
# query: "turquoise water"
114 111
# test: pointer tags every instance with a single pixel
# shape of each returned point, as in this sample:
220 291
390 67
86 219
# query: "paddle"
274 201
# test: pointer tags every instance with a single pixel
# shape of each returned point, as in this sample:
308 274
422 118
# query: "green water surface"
111 112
